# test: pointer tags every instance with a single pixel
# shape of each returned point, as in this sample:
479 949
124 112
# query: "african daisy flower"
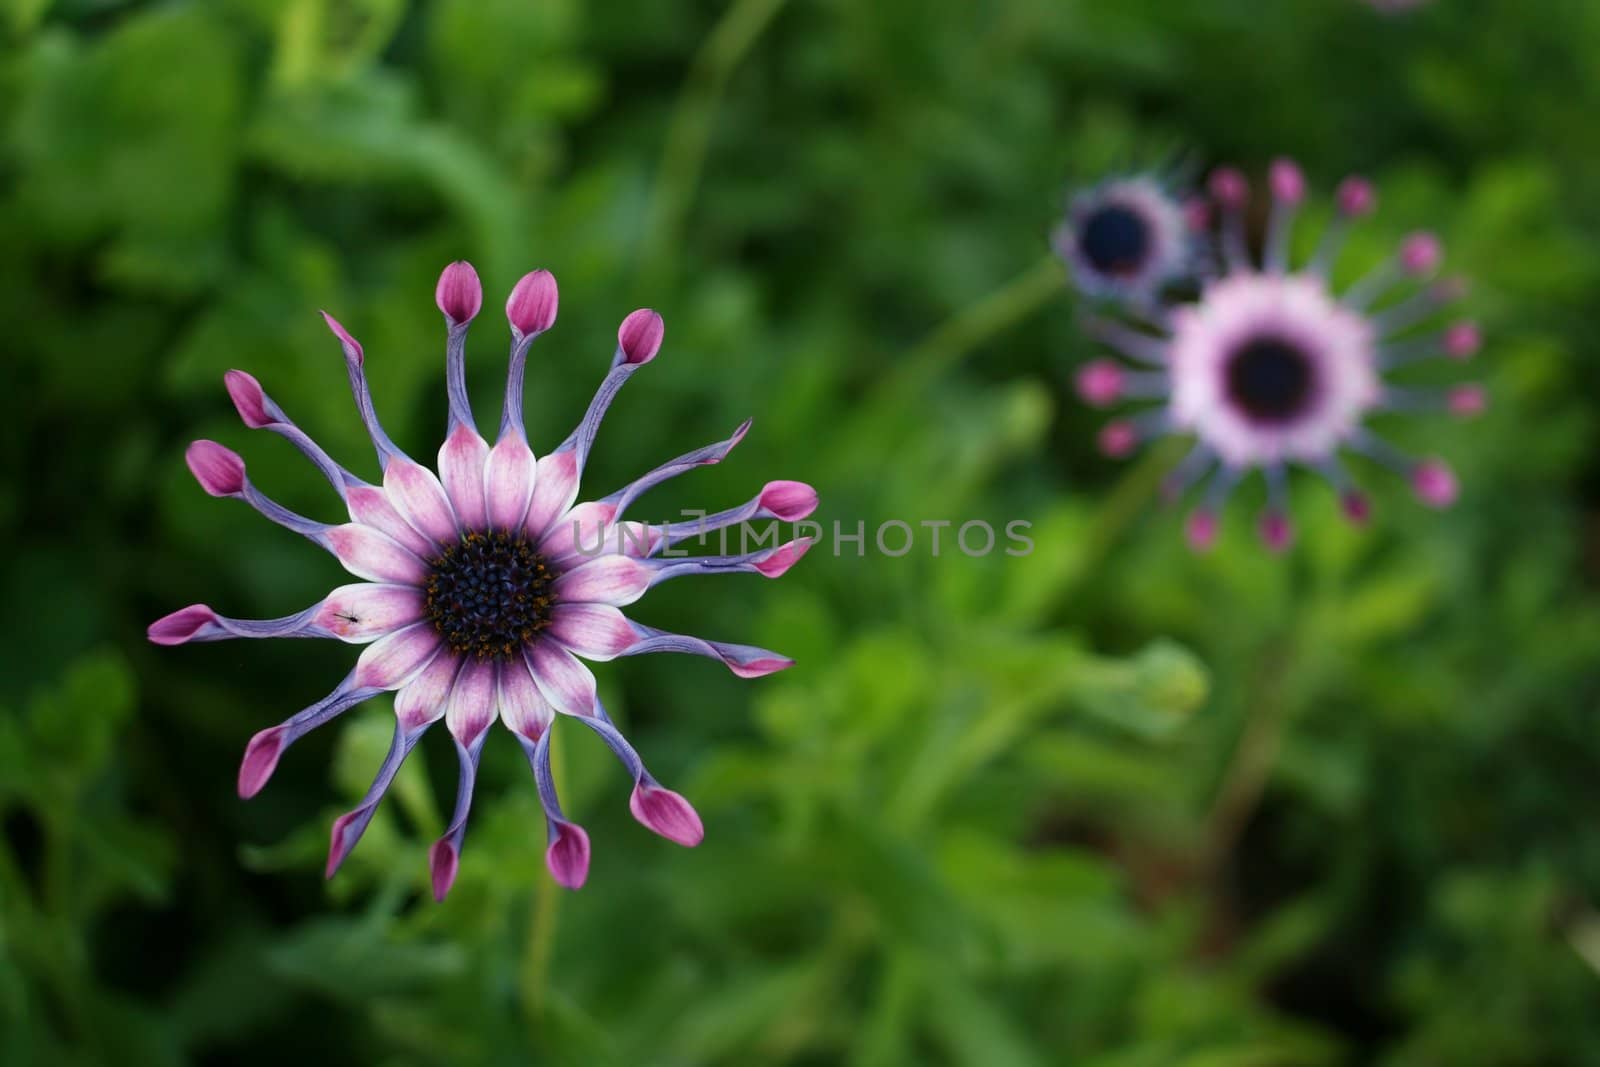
1126 239
1269 367
484 584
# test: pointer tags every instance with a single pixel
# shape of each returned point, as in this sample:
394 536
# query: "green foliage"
1104 804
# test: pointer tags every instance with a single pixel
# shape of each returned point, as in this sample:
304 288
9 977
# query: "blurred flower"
1270 367
485 583
1127 238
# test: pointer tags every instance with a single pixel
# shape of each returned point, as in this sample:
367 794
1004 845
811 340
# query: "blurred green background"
1109 804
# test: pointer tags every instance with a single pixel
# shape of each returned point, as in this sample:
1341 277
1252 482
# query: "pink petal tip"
341 841
1229 187
219 470
758 668
260 760
1421 253
248 397
1467 401
443 862
1462 340
739 434
181 625
1356 507
789 501
783 557
1356 197
1100 382
1287 181
352 347
639 336
1435 483
568 855
1277 533
459 294
531 307
1117 439
667 813
1201 530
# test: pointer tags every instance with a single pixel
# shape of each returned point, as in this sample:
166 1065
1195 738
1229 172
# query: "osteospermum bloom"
1126 239
486 585
1270 367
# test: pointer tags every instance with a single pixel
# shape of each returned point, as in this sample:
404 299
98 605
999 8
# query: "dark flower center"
489 594
1115 240
1270 379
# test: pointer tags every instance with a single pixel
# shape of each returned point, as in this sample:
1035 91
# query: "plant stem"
541 928
962 333
1251 764
689 134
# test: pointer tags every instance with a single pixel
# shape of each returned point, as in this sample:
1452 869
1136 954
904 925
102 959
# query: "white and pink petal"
565 682
509 475
593 631
462 459
377 557
614 580
419 497
392 661
367 611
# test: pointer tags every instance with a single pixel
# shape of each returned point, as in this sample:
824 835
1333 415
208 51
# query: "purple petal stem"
746 661
348 828
455 365
700 457
516 368
197 623
260 412
444 857
582 439
355 364
261 754
567 855
785 501
769 562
